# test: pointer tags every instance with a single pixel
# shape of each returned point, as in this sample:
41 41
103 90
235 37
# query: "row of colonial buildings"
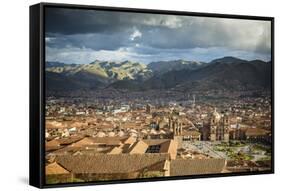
216 127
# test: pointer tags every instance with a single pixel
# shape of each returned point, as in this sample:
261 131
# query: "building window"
153 149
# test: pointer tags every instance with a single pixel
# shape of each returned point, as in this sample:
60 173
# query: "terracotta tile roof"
237 163
138 148
256 132
110 141
155 141
60 143
109 164
181 167
114 141
88 143
53 143
83 142
55 168
131 125
66 150
169 146
129 140
116 150
165 146
126 148
191 133
69 140
92 151
163 165
52 148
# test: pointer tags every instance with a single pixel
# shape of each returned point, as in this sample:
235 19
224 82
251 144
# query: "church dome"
216 115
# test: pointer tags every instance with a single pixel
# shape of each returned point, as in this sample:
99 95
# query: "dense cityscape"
133 95
155 134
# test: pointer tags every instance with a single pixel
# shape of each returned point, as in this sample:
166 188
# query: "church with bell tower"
218 127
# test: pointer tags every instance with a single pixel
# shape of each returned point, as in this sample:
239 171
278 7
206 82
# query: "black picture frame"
37 92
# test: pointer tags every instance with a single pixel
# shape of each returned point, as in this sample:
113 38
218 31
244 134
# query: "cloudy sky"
82 36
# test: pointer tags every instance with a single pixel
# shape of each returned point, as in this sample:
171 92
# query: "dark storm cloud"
72 21
142 35
94 41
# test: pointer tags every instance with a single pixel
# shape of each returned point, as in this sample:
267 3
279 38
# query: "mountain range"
224 73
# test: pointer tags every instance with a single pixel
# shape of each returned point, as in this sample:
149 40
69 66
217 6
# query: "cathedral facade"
217 127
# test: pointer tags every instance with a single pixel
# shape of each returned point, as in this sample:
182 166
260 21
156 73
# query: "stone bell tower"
226 127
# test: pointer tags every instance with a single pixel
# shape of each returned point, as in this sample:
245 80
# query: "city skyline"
107 121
